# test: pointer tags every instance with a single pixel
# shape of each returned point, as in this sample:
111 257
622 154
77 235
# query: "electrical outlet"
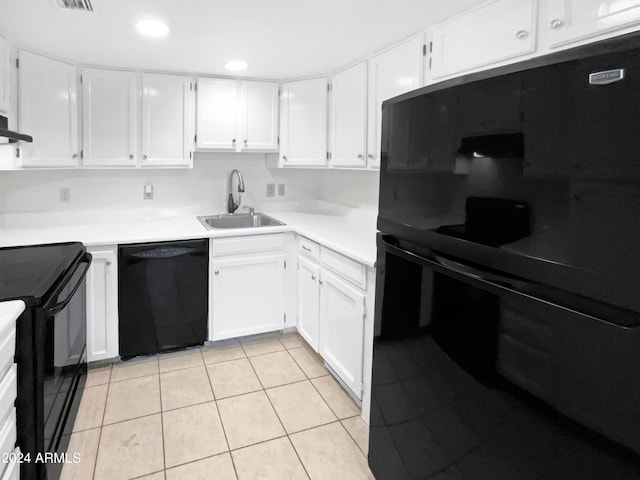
271 189
65 194
148 192
281 189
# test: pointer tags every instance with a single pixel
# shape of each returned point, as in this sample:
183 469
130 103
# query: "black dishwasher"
162 296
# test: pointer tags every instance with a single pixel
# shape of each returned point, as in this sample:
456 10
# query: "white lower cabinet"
331 310
247 289
308 310
102 304
342 316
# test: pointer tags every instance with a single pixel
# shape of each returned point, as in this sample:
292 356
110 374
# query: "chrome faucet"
232 206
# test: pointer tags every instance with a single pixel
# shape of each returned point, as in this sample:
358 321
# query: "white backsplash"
202 189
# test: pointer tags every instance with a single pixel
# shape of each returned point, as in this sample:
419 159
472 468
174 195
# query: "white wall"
204 187
353 188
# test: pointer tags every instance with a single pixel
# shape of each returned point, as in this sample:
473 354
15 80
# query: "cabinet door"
308 301
572 20
109 121
247 295
342 330
5 76
492 33
102 305
167 120
303 126
391 73
217 110
258 116
349 117
48 111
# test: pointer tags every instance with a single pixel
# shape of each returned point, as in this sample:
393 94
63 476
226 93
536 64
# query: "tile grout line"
104 413
164 449
352 437
224 431
304 467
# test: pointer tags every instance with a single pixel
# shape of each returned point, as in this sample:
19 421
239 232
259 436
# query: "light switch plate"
148 192
271 189
281 189
65 194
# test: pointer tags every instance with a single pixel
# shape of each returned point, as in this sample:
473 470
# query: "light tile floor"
258 408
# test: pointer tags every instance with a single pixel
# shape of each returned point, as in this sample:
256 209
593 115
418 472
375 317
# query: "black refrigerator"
507 339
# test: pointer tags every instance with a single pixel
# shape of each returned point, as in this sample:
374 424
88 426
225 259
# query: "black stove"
50 347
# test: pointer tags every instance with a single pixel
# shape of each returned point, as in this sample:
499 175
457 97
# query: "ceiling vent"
82 5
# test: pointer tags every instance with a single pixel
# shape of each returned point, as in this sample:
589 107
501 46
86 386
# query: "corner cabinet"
303 123
102 304
48 112
236 115
168 110
110 118
494 32
349 117
574 20
247 278
392 73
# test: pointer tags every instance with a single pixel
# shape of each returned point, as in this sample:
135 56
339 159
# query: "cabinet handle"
313 277
74 156
521 34
360 155
284 157
107 263
306 248
320 282
557 23
144 157
131 156
217 272
370 155
233 141
245 142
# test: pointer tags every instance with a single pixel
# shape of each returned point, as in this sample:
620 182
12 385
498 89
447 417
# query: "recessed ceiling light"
235 65
152 28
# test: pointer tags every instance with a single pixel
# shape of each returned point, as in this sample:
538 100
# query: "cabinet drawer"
8 391
252 244
345 267
8 433
308 248
12 470
7 348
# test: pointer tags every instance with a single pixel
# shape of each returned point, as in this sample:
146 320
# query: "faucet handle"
251 210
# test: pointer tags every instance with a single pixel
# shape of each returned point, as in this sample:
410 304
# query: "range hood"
13 137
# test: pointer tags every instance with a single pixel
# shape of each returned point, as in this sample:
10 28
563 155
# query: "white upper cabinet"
572 20
109 120
391 73
237 115
5 76
217 115
48 111
167 120
349 117
494 32
303 123
258 116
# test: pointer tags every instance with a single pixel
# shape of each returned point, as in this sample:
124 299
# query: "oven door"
64 361
475 377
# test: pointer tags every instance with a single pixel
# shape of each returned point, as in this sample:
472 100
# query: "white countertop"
9 313
351 232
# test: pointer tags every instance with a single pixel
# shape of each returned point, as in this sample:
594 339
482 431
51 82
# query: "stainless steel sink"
239 220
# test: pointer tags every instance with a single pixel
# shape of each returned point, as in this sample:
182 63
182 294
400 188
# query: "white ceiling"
277 38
